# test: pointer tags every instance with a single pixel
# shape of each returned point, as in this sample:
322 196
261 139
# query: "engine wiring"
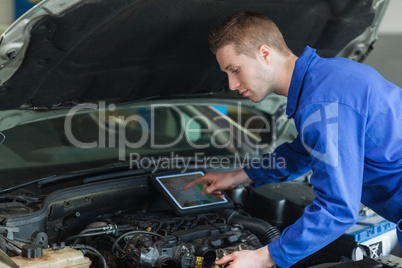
158 239
115 244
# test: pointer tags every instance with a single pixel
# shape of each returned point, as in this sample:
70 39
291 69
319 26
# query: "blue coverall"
349 121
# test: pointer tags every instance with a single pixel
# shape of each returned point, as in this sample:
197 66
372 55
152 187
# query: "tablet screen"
191 198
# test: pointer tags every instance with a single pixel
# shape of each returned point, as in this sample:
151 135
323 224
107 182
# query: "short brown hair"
247 31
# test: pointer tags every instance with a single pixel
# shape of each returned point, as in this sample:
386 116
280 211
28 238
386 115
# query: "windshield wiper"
108 171
111 169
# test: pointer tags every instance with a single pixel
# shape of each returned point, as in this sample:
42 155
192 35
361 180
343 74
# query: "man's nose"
233 83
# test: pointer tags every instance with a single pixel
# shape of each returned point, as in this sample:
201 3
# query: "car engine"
124 222
160 240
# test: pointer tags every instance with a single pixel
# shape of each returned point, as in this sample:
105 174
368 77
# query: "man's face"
250 76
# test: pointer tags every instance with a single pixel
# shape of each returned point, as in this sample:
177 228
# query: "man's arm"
335 140
259 258
214 183
288 162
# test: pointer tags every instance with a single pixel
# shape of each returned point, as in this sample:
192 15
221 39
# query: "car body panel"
62 51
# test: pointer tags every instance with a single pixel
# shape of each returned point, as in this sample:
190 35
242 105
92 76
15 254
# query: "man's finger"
217 194
225 259
194 182
210 189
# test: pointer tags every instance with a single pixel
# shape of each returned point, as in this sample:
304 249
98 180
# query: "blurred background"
385 58
387 54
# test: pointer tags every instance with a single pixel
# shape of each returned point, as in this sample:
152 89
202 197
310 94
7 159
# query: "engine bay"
125 222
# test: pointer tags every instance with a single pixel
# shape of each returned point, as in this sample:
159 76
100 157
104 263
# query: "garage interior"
386 56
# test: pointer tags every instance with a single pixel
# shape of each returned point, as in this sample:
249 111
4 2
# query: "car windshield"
91 136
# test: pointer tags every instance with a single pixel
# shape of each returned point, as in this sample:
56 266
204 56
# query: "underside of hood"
102 49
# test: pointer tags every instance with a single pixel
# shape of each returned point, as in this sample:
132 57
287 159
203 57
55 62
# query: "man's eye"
235 71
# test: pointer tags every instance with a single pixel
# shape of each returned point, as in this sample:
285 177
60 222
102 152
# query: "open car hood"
65 51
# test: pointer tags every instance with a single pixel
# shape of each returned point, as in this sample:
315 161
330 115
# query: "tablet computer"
187 201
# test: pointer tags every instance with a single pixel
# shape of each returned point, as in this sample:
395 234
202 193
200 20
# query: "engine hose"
265 232
166 262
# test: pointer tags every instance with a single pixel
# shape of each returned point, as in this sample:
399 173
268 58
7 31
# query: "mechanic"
349 121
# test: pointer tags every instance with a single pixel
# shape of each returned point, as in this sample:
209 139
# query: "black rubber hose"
166 262
265 232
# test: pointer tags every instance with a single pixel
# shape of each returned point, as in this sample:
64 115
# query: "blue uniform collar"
296 83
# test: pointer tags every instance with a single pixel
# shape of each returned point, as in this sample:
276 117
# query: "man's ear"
264 52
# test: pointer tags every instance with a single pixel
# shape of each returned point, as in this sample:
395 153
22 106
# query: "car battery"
376 233
285 202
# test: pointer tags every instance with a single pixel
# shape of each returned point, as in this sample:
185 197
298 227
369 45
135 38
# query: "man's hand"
259 258
214 183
